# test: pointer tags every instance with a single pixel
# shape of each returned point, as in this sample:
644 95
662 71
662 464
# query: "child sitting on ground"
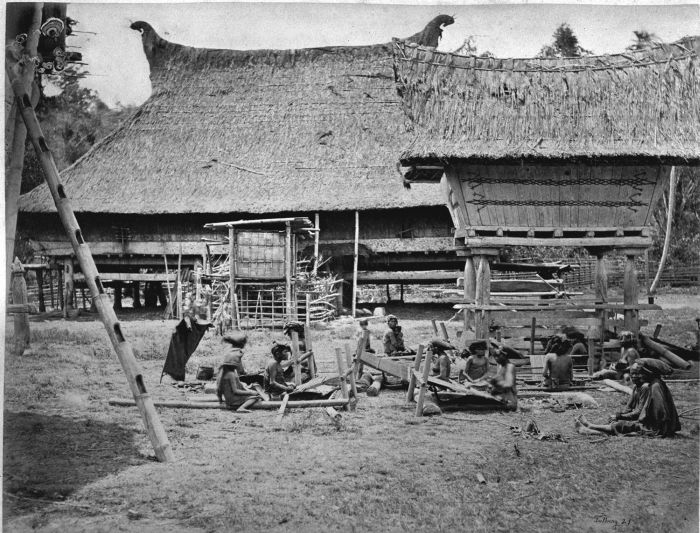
477 366
273 378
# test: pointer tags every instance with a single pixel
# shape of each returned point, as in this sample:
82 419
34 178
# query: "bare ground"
74 463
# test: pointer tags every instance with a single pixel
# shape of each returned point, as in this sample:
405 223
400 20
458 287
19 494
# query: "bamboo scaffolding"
122 347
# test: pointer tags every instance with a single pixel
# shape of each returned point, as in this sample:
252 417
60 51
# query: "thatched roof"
261 131
636 106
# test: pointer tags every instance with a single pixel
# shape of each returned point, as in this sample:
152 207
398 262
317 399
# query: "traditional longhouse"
229 135
550 152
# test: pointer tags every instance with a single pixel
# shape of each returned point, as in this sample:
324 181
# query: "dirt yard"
74 463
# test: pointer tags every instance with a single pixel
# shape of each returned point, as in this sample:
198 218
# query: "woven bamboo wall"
260 254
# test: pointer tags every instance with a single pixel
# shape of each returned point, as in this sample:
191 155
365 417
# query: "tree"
72 122
564 44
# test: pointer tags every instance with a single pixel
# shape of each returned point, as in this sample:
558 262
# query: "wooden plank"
424 382
350 371
355 263
412 379
552 307
454 387
386 365
341 373
282 409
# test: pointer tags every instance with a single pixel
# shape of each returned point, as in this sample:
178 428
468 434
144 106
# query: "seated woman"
558 366
228 385
273 378
442 365
393 339
503 383
650 411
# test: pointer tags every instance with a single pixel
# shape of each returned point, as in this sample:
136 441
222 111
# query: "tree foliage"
564 44
72 121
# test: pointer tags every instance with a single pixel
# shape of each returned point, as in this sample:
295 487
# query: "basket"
205 373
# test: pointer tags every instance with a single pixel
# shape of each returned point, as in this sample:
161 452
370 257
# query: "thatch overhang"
637 107
264 131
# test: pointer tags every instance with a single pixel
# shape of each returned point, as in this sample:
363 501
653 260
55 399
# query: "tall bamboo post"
169 309
354 264
17 132
288 271
154 428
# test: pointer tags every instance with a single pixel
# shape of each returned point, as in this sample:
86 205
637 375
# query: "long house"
229 134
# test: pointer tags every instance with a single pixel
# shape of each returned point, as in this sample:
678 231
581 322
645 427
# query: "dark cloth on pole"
183 343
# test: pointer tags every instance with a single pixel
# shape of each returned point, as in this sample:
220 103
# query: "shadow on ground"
46 458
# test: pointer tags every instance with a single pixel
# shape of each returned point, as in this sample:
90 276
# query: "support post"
21 320
40 285
355 262
53 299
136 294
134 376
118 285
483 296
317 236
601 295
68 285
310 348
631 294
469 294
288 271
295 358
232 274
169 309
533 326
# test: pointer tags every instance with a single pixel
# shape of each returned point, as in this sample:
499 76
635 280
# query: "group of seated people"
278 375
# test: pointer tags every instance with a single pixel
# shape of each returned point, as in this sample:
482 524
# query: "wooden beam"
215 404
631 295
317 236
289 310
386 365
586 242
427 361
132 276
412 379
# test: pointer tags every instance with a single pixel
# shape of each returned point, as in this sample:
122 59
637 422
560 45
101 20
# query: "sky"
119 70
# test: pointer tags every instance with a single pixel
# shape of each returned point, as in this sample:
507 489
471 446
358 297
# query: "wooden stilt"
136 294
631 295
533 326
82 298
118 285
469 293
601 293
351 372
169 309
53 299
21 320
483 296
40 285
142 398
68 285
295 358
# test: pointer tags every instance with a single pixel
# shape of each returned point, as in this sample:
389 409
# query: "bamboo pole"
40 285
215 404
310 348
178 284
355 262
295 358
154 428
15 159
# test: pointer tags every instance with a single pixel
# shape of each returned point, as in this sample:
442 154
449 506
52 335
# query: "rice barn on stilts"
229 135
550 152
